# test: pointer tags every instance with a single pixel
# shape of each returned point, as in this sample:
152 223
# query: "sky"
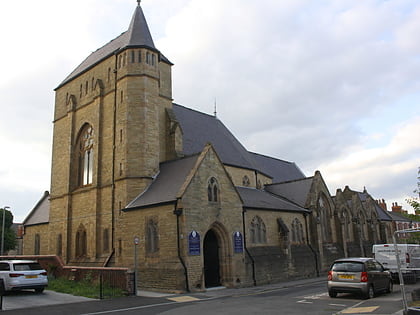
331 85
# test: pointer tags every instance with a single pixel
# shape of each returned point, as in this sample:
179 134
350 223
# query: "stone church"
139 181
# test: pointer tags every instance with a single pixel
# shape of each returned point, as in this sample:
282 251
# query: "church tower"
111 131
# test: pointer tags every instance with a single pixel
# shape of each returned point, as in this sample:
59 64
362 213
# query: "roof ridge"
271 157
291 181
195 110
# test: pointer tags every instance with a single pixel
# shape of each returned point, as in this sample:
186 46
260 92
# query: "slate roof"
280 170
397 217
199 129
40 213
137 35
296 191
259 199
167 183
382 214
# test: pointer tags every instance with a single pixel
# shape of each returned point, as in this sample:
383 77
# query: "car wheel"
39 290
370 293
390 287
332 294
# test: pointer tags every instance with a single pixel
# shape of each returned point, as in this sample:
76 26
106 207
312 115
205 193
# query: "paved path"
30 299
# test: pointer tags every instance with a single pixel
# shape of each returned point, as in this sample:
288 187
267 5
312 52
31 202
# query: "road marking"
305 302
359 310
130 309
183 299
316 296
341 305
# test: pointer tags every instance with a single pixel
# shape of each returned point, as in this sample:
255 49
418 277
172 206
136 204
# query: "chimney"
382 204
396 208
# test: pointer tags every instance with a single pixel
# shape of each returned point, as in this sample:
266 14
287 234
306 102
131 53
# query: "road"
299 298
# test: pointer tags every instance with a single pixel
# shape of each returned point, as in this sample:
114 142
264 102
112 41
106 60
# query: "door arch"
211 260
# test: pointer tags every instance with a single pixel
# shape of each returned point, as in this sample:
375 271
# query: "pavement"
22 302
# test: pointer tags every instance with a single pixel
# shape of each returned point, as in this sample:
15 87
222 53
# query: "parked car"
22 274
364 276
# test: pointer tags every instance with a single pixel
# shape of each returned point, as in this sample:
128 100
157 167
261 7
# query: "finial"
138 2
215 105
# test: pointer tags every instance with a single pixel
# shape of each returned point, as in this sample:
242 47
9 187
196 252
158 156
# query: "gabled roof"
259 199
40 213
167 183
296 191
382 214
137 35
280 170
397 217
199 129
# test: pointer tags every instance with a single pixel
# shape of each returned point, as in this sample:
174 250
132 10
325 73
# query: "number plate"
31 276
346 277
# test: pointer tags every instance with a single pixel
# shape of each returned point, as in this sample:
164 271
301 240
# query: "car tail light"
407 258
15 275
43 273
364 277
329 275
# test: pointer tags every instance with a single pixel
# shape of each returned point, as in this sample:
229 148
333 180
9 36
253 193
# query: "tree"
9 234
415 201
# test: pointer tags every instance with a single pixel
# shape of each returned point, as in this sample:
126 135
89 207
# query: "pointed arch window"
105 240
81 242
245 181
324 215
37 245
59 250
297 231
213 190
85 156
152 236
258 231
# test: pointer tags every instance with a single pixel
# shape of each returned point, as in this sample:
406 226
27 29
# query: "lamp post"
2 230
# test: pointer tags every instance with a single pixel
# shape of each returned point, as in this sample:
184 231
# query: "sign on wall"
238 246
194 243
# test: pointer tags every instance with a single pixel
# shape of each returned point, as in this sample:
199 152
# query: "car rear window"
347 266
26 266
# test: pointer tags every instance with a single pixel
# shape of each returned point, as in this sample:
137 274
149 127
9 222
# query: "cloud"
385 171
330 85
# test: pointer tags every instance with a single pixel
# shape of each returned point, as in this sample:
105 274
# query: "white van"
409 259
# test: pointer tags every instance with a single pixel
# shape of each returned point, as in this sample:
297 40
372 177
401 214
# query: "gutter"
246 249
178 213
309 245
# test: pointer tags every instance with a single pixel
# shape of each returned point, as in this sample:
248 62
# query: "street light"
2 230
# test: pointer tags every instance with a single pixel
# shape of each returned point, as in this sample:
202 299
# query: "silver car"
22 274
364 276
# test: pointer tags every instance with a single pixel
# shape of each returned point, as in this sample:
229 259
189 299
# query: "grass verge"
82 288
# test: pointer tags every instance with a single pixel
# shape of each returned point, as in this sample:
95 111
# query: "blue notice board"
194 243
238 244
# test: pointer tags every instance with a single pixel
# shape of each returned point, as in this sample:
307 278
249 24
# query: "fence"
109 281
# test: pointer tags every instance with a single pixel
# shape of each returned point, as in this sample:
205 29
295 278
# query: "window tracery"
213 190
85 156
258 231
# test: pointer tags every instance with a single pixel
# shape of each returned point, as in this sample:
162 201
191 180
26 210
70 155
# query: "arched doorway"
211 260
